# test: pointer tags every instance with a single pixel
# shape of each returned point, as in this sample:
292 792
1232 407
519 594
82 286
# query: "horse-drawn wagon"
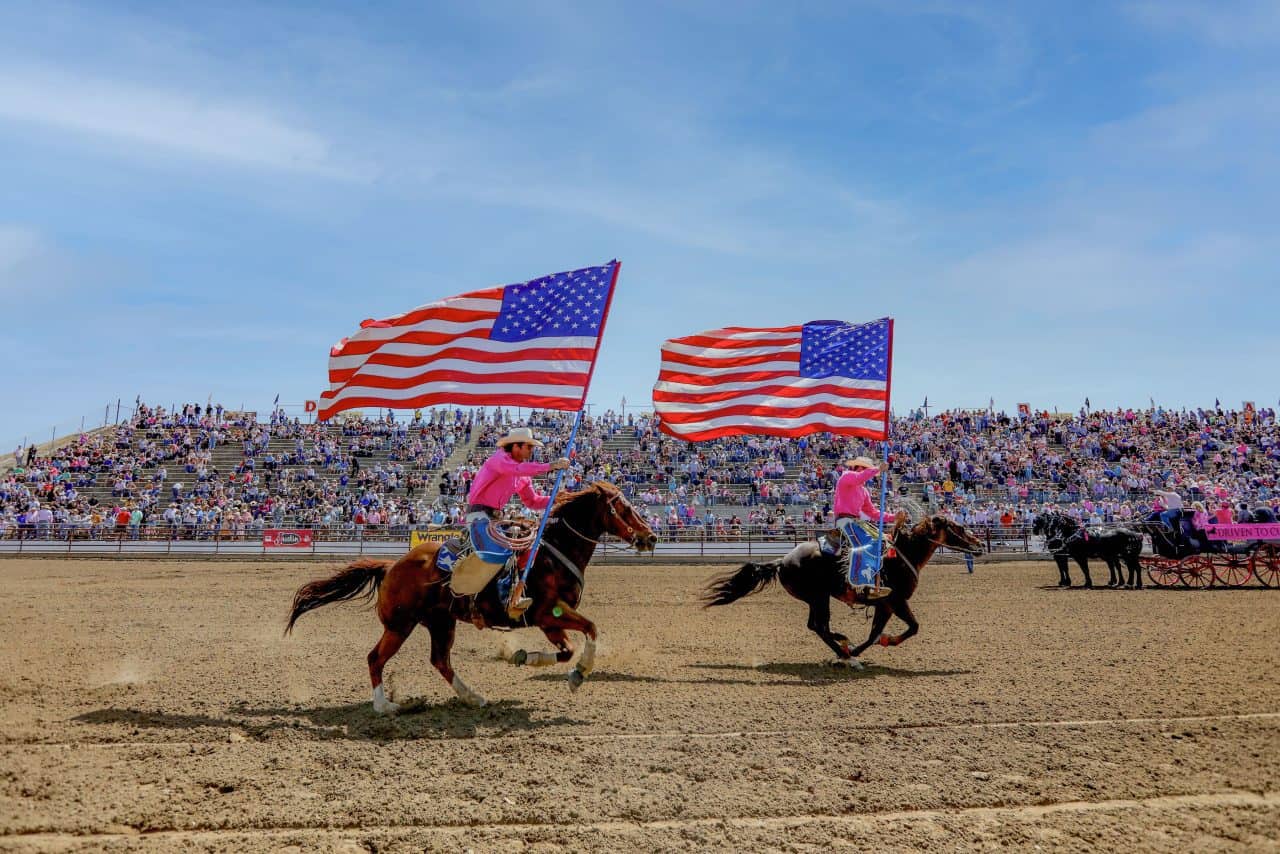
1225 555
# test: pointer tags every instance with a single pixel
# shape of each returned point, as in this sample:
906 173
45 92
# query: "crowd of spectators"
204 471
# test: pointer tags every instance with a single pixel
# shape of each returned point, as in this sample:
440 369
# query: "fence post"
702 541
217 537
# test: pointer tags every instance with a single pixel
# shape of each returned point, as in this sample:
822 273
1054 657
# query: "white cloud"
177 121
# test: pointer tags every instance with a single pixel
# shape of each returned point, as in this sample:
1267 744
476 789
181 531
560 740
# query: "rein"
579 571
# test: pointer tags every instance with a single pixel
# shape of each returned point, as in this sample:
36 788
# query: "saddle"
471 568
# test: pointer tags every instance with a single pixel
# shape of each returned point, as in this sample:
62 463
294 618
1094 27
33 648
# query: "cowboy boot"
517 603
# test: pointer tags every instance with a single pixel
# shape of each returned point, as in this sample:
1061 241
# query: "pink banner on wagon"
281 538
1263 531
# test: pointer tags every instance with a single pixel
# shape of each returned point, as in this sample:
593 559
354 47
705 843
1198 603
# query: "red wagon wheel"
1196 572
1162 571
1232 570
1266 564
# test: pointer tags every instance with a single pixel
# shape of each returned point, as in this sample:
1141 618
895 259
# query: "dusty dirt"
155 706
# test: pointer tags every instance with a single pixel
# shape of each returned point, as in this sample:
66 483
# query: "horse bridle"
613 511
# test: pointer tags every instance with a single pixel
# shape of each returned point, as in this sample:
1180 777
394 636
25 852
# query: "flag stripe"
453 394
499 346
384 363
475 368
715 364
715 428
480 349
512 378
697 414
735 336
475 389
441 333
783 381
672 390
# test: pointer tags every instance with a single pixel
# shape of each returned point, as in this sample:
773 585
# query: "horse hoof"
575 679
848 664
520 657
388 708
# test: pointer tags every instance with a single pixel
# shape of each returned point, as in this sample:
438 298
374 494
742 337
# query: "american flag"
824 376
529 344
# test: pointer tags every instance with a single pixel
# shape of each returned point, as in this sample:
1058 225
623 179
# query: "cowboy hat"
523 435
860 462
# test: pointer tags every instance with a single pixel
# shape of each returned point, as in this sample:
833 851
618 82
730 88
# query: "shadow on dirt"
601 676
418 719
817 673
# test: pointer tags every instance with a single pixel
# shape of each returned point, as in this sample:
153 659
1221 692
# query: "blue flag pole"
555 490
884 497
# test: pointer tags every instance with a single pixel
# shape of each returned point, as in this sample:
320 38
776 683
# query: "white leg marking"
381 704
587 662
540 658
465 694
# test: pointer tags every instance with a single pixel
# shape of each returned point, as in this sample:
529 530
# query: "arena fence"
746 541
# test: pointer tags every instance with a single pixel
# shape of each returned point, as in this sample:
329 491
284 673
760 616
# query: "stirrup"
518 603
871 593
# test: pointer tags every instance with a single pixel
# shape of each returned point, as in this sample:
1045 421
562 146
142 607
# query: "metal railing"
350 539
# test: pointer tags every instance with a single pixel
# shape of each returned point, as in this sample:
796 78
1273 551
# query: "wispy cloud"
173 120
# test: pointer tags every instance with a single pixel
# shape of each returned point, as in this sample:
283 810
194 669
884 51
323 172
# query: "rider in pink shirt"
852 501
508 472
852 498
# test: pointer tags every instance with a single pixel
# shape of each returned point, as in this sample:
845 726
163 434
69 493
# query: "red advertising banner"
287 538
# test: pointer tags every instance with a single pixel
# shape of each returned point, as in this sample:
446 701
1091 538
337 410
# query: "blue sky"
1054 200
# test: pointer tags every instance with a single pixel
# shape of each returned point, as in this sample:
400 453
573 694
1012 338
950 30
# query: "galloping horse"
414 591
1066 537
815 578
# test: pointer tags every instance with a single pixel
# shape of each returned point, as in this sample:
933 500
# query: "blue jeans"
489 551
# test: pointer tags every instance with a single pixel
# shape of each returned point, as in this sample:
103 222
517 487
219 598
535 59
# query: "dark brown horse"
816 578
414 591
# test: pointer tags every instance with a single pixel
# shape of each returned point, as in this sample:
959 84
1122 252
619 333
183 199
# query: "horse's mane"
564 499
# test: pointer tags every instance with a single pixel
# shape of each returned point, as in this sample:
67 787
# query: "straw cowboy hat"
860 463
519 434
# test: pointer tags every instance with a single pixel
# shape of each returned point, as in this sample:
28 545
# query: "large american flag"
529 344
824 376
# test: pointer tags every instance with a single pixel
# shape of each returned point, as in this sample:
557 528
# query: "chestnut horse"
414 591
815 578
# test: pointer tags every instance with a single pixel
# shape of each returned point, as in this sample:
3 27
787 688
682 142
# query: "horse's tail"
732 587
362 577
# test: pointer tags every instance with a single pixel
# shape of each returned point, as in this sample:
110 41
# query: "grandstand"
206 469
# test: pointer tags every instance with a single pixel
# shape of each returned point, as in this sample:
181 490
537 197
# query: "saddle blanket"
452 551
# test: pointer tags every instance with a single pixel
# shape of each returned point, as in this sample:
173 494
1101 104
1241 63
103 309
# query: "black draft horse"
1066 538
413 590
816 578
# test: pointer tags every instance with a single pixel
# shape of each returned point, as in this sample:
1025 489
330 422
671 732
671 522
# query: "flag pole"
555 490
518 591
884 475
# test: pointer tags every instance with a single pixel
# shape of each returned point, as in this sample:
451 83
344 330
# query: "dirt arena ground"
155 706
